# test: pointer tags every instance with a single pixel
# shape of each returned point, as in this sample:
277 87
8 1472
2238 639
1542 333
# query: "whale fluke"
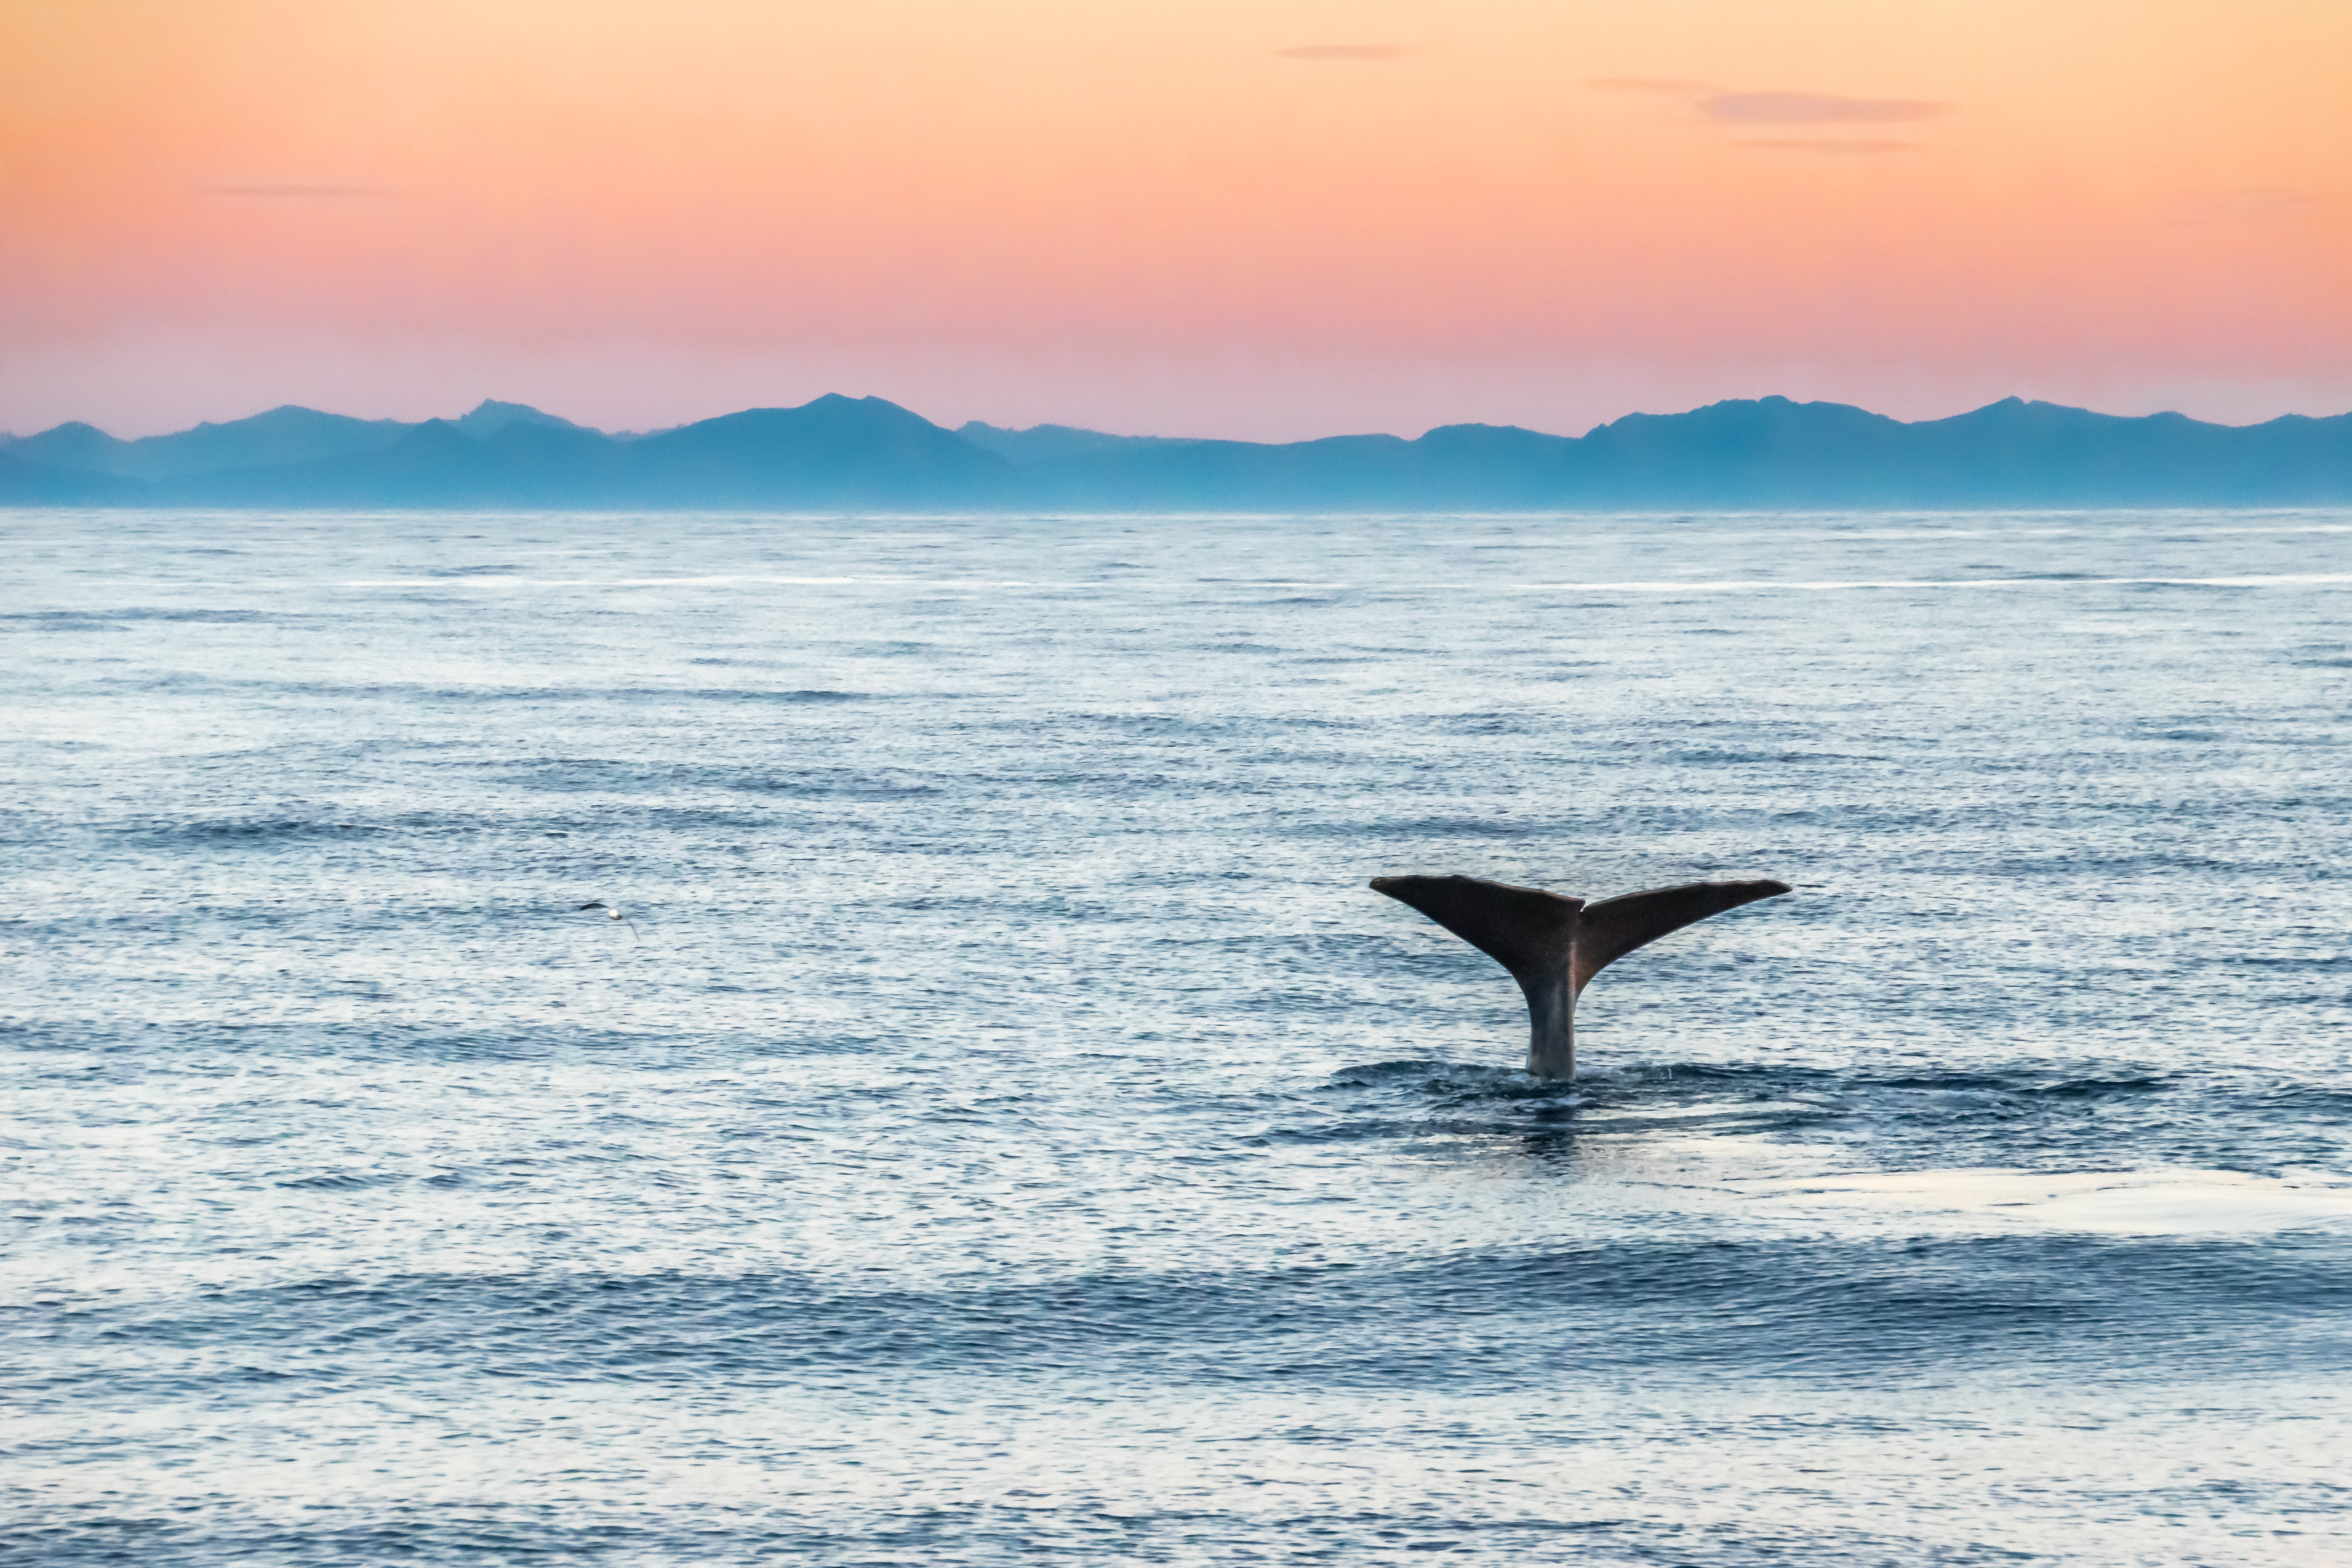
1553 945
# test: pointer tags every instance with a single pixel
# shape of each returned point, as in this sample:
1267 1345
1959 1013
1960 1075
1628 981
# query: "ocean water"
1005 1129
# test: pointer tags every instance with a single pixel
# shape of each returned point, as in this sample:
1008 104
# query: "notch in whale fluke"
1553 946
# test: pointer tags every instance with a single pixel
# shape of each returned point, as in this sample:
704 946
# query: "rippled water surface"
1005 1127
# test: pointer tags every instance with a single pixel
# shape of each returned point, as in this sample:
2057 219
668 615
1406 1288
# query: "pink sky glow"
1268 220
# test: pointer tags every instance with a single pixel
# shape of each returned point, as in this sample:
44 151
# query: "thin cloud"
1792 145
303 193
1812 109
1346 51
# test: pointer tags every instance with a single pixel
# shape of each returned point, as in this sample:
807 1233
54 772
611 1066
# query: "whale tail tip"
1553 945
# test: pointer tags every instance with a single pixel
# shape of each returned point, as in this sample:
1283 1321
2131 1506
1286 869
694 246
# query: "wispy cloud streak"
1812 109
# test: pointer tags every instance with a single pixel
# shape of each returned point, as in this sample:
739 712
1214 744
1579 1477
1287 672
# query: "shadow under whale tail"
1554 945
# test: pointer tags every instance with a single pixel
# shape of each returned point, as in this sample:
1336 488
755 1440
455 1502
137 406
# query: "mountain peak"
489 416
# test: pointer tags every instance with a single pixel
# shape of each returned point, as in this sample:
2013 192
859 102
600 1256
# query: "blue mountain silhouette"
841 452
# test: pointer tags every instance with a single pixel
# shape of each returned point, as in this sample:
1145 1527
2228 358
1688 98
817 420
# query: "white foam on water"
1760 584
2114 1203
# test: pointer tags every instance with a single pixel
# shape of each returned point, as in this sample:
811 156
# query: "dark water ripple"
1006 1130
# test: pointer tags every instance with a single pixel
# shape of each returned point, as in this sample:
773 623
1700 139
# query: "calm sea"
1006 1130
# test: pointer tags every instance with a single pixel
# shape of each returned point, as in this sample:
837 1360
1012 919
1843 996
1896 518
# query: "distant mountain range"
840 452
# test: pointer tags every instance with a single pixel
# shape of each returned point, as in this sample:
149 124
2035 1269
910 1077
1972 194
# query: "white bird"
612 912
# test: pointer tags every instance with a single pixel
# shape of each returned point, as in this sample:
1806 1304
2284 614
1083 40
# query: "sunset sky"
1265 219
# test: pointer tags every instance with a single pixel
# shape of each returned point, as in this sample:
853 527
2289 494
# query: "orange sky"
1267 219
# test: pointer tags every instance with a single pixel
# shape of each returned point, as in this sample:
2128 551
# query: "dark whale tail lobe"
1553 946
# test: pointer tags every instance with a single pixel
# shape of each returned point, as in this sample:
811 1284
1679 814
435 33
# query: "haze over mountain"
839 452
1043 443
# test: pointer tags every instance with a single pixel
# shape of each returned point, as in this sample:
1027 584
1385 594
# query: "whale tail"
1553 945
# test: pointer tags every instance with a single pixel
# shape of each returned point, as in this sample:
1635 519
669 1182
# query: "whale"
1553 945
